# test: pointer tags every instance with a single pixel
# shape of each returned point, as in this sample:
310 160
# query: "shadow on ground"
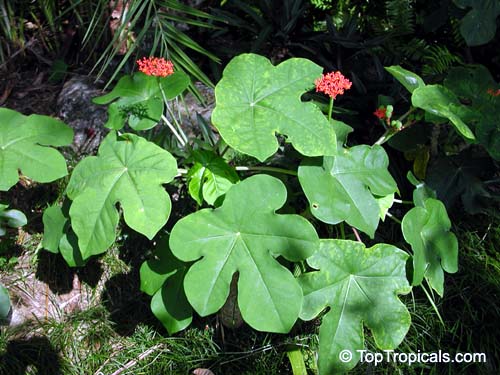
122 297
36 353
53 270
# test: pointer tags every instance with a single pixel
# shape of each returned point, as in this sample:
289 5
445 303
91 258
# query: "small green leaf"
342 188
162 277
361 287
58 237
195 178
170 305
210 177
129 170
245 235
54 222
385 203
440 101
13 218
23 146
140 100
409 80
155 271
255 100
435 248
68 247
421 192
4 303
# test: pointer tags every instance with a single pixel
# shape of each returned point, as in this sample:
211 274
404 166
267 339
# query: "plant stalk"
267 169
330 109
171 127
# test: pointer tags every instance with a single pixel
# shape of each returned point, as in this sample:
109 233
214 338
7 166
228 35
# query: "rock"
187 111
75 108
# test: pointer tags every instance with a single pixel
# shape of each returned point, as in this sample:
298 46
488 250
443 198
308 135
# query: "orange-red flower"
493 92
381 113
156 66
332 84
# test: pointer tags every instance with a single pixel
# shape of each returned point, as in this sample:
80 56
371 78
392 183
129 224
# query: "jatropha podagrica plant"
236 235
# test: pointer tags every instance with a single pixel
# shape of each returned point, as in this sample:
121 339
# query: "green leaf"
384 204
409 80
54 222
440 101
479 25
210 177
245 235
58 237
421 192
464 173
361 287
435 248
343 187
129 170
471 84
23 146
140 100
162 277
170 305
342 130
255 100
13 218
4 302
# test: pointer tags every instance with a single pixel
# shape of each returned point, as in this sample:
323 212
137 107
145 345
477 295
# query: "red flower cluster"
493 92
332 84
381 113
156 66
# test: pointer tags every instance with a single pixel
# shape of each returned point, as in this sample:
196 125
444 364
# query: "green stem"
384 138
393 218
224 151
431 300
330 109
390 131
405 115
342 230
402 201
267 169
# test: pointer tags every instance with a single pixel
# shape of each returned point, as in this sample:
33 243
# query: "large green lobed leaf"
129 170
361 287
346 187
435 248
255 100
23 146
244 236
